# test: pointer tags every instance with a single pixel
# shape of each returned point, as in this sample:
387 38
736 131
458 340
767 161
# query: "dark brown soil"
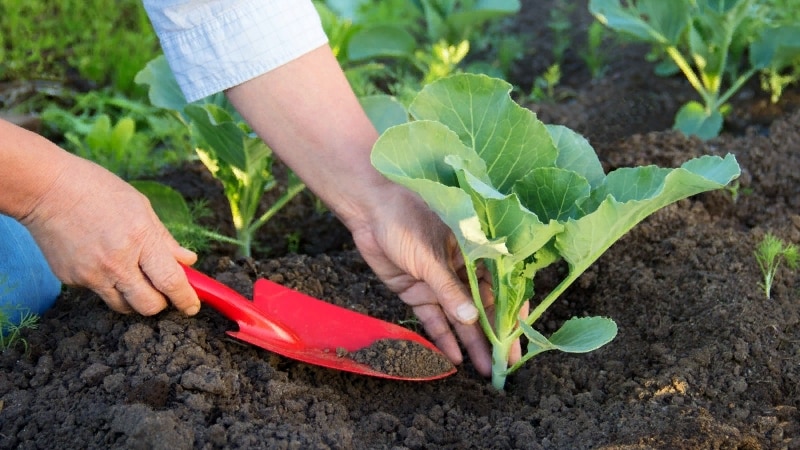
402 358
702 360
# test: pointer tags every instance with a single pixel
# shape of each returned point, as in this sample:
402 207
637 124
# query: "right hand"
99 232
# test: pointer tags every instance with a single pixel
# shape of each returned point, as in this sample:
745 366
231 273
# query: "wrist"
30 165
375 204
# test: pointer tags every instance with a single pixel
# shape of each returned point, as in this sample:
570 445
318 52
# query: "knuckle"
168 281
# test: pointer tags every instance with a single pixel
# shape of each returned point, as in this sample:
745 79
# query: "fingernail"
467 313
192 310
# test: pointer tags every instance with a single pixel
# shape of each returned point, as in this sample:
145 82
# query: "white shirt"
212 45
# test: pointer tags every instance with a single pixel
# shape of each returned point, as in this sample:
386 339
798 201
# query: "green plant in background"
520 196
233 154
441 59
770 253
718 45
362 32
456 20
127 137
43 39
782 17
118 148
179 217
560 26
544 86
293 241
593 55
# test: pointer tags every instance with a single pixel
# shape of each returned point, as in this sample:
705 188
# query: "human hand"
300 110
416 256
98 232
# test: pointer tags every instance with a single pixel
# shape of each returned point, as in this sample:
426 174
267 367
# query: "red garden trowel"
297 326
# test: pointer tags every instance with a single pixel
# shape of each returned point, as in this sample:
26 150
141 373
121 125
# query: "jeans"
27 285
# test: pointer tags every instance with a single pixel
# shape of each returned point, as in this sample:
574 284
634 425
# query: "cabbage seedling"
228 148
520 195
707 40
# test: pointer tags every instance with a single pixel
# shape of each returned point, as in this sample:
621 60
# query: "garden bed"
702 358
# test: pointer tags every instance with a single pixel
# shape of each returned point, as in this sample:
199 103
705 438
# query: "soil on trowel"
402 358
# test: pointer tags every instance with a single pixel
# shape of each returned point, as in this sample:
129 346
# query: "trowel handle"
234 306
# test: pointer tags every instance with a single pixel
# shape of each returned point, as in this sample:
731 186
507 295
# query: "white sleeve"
212 45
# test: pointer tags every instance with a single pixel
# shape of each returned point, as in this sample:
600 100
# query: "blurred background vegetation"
92 43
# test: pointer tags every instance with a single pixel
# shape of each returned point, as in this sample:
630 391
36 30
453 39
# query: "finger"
114 299
168 278
516 349
451 294
477 347
438 329
140 294
182 255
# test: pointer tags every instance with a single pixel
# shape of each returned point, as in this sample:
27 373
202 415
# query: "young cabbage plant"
520 195
717 45
233 154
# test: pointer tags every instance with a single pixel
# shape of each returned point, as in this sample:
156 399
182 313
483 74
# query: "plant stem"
688 72
574 273
476 299
500 372
245 235
736 86
291 192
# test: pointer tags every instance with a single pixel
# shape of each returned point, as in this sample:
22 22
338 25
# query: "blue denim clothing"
26 282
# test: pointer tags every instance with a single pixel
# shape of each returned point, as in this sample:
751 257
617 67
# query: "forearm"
29 166
307 113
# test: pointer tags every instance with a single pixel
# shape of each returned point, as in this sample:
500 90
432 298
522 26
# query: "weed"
592 55
545 84
11 332
770 253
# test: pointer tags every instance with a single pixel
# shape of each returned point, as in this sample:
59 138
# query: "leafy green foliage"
544 86
233 154
592 54
384 111
140 142
560 26
179 217
717 45
382 42
770 253
42 39
520 195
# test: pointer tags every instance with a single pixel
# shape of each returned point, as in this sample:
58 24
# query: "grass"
76 41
